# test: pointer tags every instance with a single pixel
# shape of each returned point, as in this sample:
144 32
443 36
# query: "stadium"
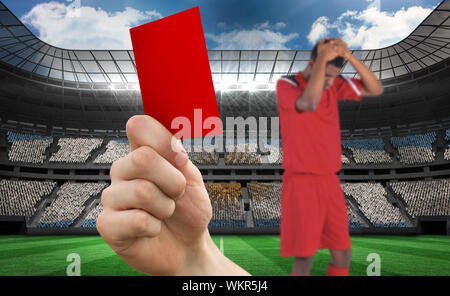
62 124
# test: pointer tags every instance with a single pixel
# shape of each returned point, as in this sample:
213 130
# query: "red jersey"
311 141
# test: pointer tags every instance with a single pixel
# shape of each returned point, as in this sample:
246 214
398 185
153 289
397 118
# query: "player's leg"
302 266
301 222
341 258
340 262
335 235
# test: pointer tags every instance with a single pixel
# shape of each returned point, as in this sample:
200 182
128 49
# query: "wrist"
321 60
207 260
347 55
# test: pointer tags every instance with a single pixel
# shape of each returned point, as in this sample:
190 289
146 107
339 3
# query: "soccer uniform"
313 209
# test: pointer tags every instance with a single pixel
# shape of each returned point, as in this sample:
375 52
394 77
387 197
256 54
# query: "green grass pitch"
258 254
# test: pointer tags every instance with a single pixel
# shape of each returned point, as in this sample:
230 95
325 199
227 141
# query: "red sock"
337 271
296 274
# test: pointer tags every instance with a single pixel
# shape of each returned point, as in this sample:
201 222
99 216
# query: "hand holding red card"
173 70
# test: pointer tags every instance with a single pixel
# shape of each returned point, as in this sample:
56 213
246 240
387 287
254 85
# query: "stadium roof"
427 45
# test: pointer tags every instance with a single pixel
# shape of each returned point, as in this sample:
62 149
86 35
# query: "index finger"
144 130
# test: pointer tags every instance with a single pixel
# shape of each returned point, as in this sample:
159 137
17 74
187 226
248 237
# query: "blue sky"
228 24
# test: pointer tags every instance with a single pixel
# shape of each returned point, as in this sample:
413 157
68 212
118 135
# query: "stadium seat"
447 149
75 150
68 204
366 151
115 149
372 201
354 220
242 154
424 198
266 203
90 221
415 149
201 155
344 159
226 206
27 147
19 197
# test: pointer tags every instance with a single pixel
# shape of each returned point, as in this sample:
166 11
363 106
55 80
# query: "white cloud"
252 39
370 28
280 25
261 36
88 28
262 26
319 29
267 25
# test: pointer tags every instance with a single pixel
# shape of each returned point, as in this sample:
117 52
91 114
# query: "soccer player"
156 210
313 209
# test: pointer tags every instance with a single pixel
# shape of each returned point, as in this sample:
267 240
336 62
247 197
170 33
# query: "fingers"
341 43
327 43
326 40
116 226
143 130
138 194
342 48
145 163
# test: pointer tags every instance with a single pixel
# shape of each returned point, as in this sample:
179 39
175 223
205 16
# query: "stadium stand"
27 147
226 206
372 201
75 150
230 102
19 197
266 203
415 149
424 198
203 157
354 220
275 156
242 154
115 149
447 150
90 221
365 151
263 103
344 159
199 154
68 204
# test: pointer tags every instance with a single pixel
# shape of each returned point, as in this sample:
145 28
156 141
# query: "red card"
173 70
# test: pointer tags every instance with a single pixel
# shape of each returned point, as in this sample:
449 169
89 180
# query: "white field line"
221 245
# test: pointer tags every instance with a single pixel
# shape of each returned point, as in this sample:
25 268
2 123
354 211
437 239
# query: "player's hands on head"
341 48
156 210
328 49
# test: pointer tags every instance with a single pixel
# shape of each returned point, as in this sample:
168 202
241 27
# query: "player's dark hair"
337 62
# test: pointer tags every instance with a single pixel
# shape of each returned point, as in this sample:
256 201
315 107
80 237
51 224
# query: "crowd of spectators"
69 203
27 148
266 201
415 149
372 201
425 198
20 197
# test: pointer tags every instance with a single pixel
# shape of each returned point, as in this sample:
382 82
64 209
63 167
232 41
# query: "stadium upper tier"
44 85
427 45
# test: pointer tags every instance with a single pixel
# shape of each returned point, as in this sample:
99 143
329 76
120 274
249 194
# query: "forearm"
207 260
313 91
371 84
